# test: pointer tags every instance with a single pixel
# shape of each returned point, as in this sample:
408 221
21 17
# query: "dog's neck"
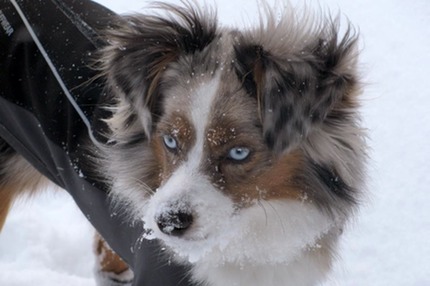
308 269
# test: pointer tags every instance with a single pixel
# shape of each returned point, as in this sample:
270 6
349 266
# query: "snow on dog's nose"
174 222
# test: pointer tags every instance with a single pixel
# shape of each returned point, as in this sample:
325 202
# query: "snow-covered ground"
49 243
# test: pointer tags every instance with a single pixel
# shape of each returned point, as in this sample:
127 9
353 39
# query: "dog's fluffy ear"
141 47
300 72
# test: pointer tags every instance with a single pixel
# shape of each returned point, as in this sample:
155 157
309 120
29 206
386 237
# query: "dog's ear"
301 78
141 47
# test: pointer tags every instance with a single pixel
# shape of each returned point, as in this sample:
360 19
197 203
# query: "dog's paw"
113 279
110 269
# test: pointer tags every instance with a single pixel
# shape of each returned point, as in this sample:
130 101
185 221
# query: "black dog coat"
40 122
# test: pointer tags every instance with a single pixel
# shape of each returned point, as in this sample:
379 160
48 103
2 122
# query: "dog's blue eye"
239 153
170 142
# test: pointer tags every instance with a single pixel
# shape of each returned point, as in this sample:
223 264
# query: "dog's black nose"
174 223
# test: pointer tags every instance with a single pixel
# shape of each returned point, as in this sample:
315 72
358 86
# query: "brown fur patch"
109 260
18 177
5 203
219 136
159 152
275 181
179 128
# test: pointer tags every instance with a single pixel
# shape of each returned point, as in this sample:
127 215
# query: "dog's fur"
188 93
191 96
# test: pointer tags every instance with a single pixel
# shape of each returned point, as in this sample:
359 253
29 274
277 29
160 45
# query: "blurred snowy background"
48 242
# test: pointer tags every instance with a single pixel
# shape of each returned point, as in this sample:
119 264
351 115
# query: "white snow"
47 241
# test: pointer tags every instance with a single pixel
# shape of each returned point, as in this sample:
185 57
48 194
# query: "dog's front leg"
5 202
110 270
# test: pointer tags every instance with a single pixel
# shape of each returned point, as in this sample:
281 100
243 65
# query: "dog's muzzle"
174 222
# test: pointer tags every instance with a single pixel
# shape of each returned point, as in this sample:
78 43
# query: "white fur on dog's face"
186 187
248 232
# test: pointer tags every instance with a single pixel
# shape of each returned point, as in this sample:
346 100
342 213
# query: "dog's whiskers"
143 186
260 204
278 216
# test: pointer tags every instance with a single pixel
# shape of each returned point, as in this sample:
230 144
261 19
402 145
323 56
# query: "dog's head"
224 139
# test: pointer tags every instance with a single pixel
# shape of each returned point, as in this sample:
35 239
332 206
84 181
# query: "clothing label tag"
7 27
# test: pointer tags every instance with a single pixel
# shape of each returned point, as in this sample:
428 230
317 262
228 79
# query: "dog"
241 150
